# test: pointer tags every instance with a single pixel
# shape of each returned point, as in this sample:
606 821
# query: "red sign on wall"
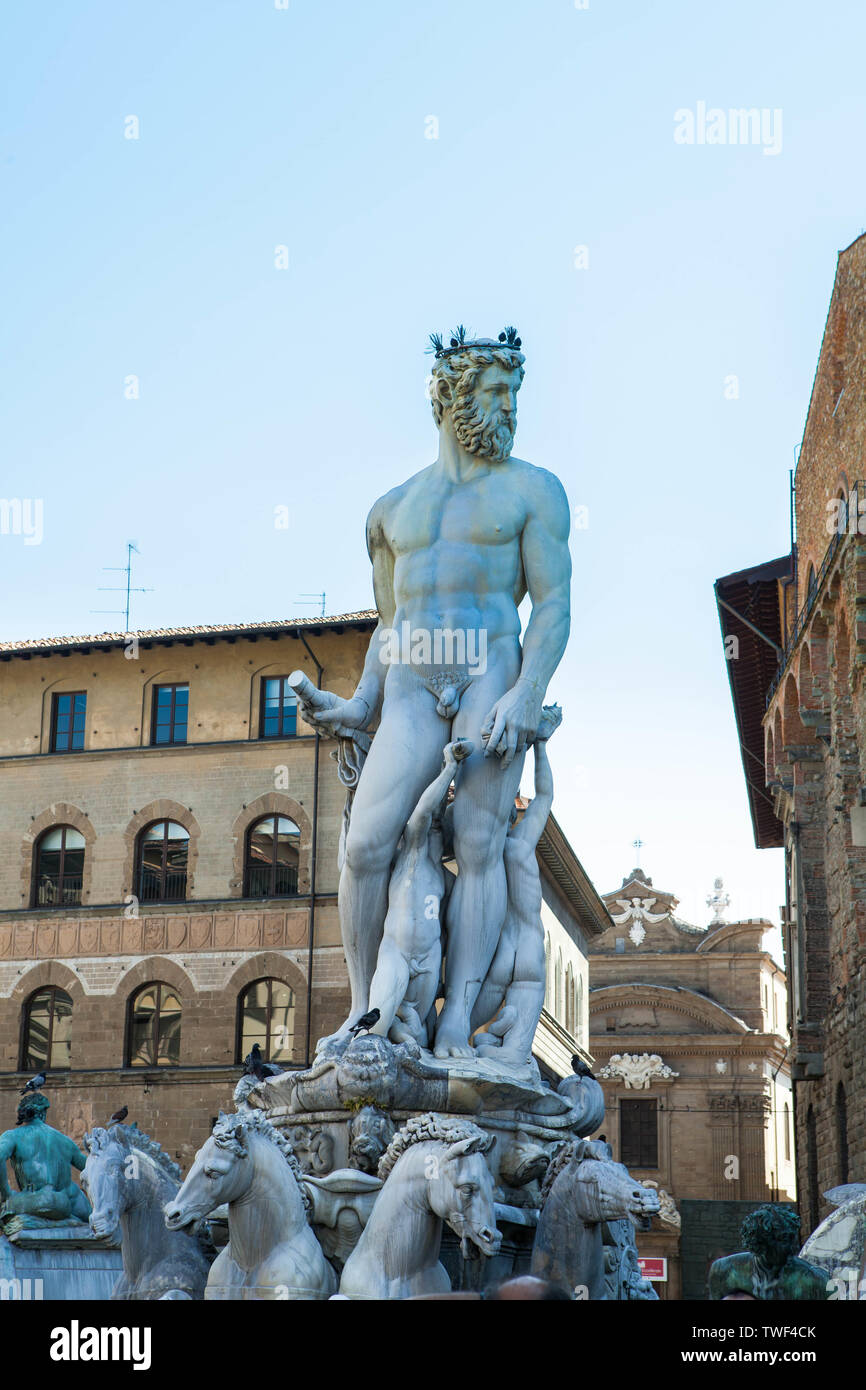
652 1268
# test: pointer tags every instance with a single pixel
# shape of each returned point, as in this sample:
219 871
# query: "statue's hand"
354 713
512 723
322 708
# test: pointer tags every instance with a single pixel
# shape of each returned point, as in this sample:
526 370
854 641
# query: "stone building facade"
795 638
687 1026
168 872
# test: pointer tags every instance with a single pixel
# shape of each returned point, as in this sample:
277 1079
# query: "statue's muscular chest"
436 512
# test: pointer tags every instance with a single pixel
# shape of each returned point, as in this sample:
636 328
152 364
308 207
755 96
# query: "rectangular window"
639 1133
67 722
279 708
170 709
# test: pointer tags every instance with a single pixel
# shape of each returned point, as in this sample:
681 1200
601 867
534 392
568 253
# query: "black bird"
365 1022
579 1067
254 1064
119 1116
34 1084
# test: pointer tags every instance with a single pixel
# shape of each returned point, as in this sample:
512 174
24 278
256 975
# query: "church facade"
688 1031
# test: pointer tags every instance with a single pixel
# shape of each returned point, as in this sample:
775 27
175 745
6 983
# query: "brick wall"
816 744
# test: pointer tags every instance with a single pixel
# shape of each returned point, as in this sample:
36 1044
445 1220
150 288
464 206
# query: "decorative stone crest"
636 911
636 1071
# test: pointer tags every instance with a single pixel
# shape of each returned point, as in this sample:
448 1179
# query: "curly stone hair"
771 1234
228 1128
32 1107
461 370
130 1137
424 1128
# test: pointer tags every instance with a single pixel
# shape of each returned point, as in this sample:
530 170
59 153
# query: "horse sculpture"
585 1194
129 1179
272 1252
434 1170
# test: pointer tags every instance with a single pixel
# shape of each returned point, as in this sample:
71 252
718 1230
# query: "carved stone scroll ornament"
636 1071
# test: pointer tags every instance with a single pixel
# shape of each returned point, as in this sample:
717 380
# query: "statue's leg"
405 756
389 984
476 910
524 998
492 994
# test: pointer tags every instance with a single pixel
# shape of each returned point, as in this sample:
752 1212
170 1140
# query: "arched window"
569 999
45 1043
579 1010
266 1015
271 863
154 1026
787 1131
842 1132
59 867
811 583
163 853
557 983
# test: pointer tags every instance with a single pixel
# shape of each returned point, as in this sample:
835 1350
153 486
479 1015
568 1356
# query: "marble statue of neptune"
454 551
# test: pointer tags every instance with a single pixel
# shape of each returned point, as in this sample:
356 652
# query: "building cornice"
364 620
568 874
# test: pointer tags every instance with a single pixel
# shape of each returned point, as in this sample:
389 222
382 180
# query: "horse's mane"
569 1151
561 1159
130 1137
228 1127
423 1128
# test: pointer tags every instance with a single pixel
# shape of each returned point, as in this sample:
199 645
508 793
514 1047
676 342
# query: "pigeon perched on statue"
119 1116
366 1022
579 1067
34 1084
255 1065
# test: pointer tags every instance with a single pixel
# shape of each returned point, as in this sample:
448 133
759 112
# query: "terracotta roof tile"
36 644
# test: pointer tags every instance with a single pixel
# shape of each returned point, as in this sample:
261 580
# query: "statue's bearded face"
484 414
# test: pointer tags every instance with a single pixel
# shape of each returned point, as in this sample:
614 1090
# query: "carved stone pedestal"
63 1261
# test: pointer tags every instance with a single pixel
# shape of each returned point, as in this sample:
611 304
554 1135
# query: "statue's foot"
452 1042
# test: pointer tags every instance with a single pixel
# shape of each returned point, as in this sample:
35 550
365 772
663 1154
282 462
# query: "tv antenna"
131 549
319 599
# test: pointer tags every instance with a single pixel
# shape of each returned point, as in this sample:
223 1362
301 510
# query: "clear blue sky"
304 387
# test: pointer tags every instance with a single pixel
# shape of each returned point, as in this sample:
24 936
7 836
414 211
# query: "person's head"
527 1288
772 1234
474 390
32 1107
